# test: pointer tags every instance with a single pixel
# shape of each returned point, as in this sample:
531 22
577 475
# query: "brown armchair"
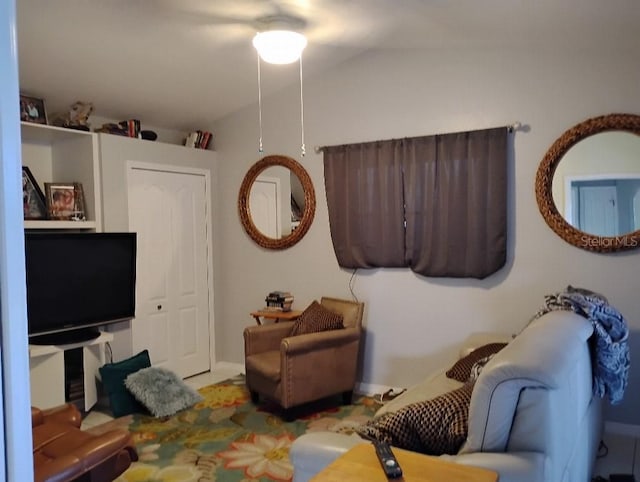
62 452
293 370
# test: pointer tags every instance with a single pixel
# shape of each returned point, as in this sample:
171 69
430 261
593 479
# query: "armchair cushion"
67 414
316 318
62 452
435 427
267 364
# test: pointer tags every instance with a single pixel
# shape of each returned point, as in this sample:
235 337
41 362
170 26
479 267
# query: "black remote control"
388 461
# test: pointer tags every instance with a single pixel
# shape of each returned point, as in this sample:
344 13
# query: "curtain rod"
511 127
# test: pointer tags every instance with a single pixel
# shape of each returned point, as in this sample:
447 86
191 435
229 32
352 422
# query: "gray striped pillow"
316 318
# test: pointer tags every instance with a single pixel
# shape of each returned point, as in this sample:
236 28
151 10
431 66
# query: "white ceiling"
183 64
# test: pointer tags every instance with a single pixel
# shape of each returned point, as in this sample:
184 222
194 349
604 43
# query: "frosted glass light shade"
279 46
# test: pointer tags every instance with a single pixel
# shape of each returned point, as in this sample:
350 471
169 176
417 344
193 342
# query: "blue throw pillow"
122 402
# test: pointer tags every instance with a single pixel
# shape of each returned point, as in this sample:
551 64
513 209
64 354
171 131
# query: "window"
435 204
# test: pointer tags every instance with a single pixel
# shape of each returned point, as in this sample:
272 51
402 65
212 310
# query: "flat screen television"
77 282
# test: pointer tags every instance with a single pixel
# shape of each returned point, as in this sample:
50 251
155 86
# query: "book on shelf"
272 309
279 301
198 139
131 126
277 309
126 128
279 295
74 390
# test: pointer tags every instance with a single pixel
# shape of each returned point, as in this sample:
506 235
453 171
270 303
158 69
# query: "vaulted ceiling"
185 63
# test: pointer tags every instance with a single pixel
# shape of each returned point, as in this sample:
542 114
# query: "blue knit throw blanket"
610 349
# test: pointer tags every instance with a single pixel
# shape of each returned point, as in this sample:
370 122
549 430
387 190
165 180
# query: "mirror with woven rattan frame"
629 123
308 209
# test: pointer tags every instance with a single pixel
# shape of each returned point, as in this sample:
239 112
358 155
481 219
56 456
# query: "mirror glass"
596 186
588 184
276 202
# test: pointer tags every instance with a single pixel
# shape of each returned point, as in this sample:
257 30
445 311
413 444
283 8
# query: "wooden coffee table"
361 463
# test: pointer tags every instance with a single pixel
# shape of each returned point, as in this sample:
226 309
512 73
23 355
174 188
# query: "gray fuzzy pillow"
161 391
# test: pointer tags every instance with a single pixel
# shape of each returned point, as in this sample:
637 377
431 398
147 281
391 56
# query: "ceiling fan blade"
197 13
323 22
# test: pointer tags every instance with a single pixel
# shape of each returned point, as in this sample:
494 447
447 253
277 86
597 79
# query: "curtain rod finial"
514 127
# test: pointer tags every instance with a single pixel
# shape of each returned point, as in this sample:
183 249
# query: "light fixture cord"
302 147
260 149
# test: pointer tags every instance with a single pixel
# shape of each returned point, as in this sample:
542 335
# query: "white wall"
412 322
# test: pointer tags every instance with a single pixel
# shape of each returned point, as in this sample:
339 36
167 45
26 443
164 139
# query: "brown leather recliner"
62 452
293 370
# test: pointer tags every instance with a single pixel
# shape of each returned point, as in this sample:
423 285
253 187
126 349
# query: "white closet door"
263 204
168 211
599 210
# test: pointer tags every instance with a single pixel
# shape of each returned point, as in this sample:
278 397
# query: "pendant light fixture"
277 43
279 46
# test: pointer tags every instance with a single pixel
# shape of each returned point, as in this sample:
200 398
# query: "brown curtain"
456 203
365 200
436 204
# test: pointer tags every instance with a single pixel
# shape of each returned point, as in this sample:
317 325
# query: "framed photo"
65 201
32 110
33 203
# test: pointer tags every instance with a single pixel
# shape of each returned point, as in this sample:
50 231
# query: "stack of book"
279 301
74 392
127 128
132 126
198 139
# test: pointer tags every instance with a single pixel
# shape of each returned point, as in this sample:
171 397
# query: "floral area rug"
226 438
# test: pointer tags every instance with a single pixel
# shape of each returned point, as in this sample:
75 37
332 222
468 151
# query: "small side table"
275 315
360 463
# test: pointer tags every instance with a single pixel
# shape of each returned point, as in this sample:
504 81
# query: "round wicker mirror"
629 123
307 204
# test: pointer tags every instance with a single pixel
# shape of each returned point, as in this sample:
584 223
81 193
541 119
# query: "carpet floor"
226 438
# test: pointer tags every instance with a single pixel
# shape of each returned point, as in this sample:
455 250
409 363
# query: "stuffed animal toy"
77 117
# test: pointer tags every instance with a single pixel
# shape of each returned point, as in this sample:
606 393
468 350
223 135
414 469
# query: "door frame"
16 447
149 166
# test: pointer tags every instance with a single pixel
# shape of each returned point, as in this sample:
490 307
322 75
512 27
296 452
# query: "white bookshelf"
56 154
47 371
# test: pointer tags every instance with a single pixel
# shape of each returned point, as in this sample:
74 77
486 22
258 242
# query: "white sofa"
533 416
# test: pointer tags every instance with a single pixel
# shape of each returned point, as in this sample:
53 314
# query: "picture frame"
33 201
65 201
32 109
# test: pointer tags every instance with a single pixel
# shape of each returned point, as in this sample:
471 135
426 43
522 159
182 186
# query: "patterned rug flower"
225 438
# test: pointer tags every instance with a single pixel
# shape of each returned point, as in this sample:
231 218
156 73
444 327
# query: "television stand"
47 371
66 337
